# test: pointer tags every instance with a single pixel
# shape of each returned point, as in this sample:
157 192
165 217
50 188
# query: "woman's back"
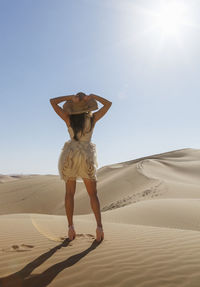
86 135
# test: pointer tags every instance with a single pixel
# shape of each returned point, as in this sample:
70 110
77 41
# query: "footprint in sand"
18 248
85 235
79 235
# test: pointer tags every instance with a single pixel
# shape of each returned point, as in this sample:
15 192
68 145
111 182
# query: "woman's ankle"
99 226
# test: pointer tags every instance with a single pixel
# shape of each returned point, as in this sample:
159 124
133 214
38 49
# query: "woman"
78 156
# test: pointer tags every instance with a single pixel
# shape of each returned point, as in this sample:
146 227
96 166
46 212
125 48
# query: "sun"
170 18
157 26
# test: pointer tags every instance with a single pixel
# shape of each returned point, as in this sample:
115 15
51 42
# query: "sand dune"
151 217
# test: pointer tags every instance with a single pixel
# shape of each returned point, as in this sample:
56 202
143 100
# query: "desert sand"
150 214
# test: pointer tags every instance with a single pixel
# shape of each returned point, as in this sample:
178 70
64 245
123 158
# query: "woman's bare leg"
69 199
94 200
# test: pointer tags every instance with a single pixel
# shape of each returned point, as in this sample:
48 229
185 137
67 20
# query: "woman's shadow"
23 278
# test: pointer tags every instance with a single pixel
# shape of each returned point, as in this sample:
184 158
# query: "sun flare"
170 18
163 24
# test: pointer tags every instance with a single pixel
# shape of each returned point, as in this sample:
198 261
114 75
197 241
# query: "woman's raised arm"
61 99
101 112
63 114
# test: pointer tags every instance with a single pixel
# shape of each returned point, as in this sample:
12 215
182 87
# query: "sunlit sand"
150 214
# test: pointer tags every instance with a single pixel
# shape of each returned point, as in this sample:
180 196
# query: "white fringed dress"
78 159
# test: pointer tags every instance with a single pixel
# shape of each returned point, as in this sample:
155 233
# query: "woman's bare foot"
71 232
99 233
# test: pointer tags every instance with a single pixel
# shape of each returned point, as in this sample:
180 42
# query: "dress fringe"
78 159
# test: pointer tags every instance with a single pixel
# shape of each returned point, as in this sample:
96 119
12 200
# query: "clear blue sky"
141 55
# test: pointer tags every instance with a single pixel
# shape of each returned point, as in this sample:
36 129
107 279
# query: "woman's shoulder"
70 129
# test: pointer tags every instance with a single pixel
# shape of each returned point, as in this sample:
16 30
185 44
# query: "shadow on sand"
23 278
